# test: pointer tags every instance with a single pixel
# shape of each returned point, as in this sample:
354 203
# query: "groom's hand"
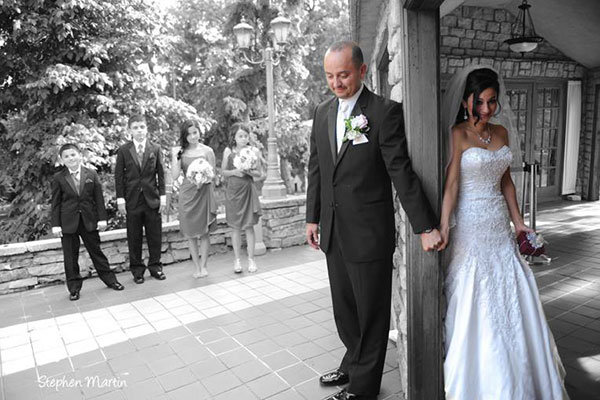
431 241
312 235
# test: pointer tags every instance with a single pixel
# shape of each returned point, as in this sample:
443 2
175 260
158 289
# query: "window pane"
540 98
523 101
555 94
546 139
538 139
548 98
554 118
522 121
547 118
553 138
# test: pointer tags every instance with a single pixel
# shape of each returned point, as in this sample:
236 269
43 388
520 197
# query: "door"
539 108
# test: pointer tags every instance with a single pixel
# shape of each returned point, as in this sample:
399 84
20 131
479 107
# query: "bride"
498 344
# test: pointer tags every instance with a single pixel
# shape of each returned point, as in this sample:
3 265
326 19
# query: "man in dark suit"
140 181
78 211
350 175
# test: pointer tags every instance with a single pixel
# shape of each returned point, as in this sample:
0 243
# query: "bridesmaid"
197 206
242 207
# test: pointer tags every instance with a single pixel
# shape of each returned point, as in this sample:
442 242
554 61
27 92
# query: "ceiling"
571 26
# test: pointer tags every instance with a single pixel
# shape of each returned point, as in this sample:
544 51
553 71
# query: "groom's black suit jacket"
354 187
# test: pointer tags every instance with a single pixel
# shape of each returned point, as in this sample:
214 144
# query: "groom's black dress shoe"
116 286
139 279
344 395
74 296
334 378
159 275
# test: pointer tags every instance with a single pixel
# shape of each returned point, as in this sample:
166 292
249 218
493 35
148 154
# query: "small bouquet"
355 127
200 172
246 159
531 244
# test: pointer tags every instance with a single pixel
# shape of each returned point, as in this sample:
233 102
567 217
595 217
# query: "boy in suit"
78 211
140 185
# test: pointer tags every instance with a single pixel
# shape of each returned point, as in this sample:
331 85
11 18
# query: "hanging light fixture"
522 34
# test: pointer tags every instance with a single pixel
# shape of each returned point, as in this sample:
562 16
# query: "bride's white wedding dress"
498 343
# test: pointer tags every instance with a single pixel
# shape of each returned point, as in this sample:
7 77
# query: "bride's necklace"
487 140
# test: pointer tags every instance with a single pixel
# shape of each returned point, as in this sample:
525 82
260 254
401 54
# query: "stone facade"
34 264
587 138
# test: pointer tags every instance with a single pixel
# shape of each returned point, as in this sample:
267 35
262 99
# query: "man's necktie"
75 176
140 153
342 124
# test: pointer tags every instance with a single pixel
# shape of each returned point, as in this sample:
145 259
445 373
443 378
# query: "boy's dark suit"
77 211
141 186
350 195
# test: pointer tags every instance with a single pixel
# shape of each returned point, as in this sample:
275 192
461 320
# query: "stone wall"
39 263
284 221
588 106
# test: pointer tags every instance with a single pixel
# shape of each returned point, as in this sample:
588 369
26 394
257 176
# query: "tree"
72 71
212 75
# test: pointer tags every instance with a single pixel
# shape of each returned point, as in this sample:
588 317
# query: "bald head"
357 55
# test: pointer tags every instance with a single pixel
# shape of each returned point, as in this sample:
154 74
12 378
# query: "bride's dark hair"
478 81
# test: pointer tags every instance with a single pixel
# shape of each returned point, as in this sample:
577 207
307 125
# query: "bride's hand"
445 234
521 227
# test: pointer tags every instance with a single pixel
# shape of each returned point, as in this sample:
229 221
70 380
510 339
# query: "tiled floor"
263 336
570 291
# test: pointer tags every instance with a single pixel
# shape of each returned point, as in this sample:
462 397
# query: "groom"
349 194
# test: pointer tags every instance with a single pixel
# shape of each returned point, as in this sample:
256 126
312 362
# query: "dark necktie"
140 153
75 176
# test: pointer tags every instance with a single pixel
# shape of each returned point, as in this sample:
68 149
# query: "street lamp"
273 186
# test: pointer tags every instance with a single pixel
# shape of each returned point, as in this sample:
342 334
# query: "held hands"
57 231
445 234
431 241
312 235
121 208
102 225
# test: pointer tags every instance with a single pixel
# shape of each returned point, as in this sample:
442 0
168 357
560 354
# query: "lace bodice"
481 171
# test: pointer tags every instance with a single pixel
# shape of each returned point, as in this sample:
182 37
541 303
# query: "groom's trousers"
361 295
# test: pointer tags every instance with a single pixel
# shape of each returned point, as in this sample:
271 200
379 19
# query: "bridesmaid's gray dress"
197 206
242 207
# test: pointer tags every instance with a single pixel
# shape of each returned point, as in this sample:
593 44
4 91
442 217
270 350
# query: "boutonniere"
88 180
355 127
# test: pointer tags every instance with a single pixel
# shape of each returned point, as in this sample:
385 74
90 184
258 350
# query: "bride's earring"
465 115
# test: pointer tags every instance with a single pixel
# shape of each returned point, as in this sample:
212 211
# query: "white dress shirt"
345 108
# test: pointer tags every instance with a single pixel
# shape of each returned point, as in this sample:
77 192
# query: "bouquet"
246 159
200 172
531 244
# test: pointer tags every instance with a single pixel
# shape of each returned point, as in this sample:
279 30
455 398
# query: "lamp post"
273 186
